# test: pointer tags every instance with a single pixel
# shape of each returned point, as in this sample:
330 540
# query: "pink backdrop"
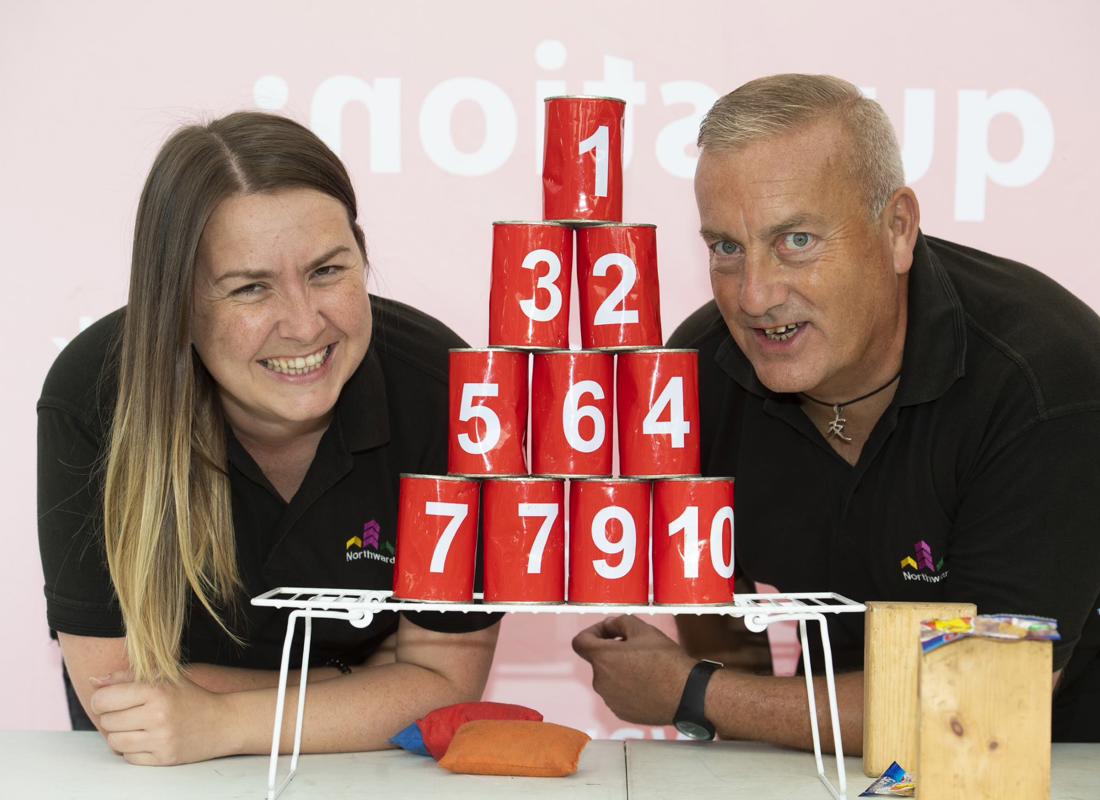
435 109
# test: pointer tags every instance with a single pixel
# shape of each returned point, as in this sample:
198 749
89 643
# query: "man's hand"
638 671
160 725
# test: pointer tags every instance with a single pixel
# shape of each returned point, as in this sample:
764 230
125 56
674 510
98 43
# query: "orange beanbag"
439 727
515 747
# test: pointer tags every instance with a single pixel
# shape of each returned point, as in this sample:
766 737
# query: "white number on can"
572 412
598 142
609 312
457 512
672 398
549 513
546 282
627 544
468 411
688 524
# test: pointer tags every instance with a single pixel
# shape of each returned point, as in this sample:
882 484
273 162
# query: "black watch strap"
690 718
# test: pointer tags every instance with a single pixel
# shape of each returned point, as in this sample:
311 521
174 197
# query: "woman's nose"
302 319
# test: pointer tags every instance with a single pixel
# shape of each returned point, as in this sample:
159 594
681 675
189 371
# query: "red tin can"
609 541
571 413
617 286
532 277
657 397
523 523
693 541
582 168
436 539
488 412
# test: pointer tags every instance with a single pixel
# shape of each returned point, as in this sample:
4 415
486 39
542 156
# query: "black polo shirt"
391 417
980 483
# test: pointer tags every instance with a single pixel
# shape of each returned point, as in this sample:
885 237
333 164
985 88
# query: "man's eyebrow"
792 224
709 235
260 274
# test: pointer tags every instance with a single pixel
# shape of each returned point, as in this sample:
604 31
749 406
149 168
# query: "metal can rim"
661 350
620 225
694 478
518 478
457 478
583 97
582 351
551 223
495 349
619 479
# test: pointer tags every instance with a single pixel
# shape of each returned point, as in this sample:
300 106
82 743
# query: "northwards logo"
921 567
366 546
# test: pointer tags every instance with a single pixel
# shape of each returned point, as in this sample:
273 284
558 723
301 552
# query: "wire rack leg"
280 704
834 712
811 697
301 695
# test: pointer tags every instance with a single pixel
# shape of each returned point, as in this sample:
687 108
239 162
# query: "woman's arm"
179 724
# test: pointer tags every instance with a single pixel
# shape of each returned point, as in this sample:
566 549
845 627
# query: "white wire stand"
358 608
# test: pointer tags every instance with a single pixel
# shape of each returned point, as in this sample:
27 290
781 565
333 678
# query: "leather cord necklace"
835 428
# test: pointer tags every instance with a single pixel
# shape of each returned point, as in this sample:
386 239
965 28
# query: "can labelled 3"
609 541
531 282
571 413
693 529
436 539
618 290
582 168
488 412
523 525
657 398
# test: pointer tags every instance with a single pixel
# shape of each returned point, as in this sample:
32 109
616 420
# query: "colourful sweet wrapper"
1012 627
894 782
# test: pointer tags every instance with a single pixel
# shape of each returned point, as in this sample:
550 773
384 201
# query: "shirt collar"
935 338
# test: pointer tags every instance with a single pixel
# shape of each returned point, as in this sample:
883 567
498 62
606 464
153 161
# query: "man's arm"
720 637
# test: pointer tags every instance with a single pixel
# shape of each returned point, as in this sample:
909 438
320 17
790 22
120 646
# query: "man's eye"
797 241
724 248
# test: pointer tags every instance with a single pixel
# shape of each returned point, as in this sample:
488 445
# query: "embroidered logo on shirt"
367 545
921 567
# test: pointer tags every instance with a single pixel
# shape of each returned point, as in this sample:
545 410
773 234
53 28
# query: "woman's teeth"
302 365
783 332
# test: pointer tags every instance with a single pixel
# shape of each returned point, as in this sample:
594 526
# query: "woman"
241 425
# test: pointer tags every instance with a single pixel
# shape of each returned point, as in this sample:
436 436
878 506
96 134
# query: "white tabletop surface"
677 770
57 765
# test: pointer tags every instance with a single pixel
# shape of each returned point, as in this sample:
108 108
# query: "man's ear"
902 217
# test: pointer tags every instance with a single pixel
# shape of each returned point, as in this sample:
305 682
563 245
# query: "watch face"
693 730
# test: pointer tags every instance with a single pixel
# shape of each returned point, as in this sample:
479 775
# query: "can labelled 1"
523 524
609 541
693 541
657 397
617 287
571 413
436 539
582 168
532 277
488 412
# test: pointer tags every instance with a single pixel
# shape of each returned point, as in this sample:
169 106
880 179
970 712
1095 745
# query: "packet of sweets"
1012 627
894 782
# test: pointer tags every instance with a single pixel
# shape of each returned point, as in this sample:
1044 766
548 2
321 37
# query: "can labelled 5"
488 412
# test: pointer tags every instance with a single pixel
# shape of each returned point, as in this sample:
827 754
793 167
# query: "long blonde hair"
168 525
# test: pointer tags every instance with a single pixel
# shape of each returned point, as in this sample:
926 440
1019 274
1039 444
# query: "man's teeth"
302 365
782 332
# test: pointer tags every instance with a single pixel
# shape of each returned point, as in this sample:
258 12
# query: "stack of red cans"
654 533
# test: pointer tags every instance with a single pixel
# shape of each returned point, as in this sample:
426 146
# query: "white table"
62 765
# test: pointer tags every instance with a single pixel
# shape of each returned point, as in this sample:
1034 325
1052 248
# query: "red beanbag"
438 728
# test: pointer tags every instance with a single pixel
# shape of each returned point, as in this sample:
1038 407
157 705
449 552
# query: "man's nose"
302 319
762 286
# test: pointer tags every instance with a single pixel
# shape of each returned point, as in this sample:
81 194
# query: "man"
906 418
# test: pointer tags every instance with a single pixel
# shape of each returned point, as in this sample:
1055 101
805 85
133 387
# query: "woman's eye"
328 271
724 248
248 290
797 241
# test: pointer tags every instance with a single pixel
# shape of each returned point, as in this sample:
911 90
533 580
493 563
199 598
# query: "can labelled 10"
693 541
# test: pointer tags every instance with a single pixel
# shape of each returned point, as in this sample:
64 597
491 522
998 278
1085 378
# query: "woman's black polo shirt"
391 417
981 482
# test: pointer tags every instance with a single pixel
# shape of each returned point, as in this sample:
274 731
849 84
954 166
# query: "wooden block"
891 661
985 721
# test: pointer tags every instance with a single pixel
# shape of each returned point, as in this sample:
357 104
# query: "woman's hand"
160 725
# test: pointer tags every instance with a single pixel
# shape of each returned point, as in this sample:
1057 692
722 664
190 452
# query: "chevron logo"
354 540
371 532
924 555
908 562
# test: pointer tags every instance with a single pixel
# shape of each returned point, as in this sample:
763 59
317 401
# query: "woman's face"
281 317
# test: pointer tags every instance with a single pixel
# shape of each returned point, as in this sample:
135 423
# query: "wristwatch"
690 718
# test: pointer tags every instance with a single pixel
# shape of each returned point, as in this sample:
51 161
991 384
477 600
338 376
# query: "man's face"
803 277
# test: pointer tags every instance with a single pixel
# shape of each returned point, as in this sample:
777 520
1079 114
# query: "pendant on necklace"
835 428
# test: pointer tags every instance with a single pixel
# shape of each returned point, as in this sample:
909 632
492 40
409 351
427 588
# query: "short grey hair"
780 104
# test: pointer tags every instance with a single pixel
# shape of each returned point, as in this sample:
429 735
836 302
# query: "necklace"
835 428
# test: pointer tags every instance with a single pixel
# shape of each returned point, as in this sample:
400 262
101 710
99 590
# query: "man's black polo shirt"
391 417
981 481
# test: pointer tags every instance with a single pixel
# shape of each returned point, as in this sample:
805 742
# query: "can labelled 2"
531 282
571 413
657 398
609 541
693 530
436 539
617 287
488 412
582 168
523 524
